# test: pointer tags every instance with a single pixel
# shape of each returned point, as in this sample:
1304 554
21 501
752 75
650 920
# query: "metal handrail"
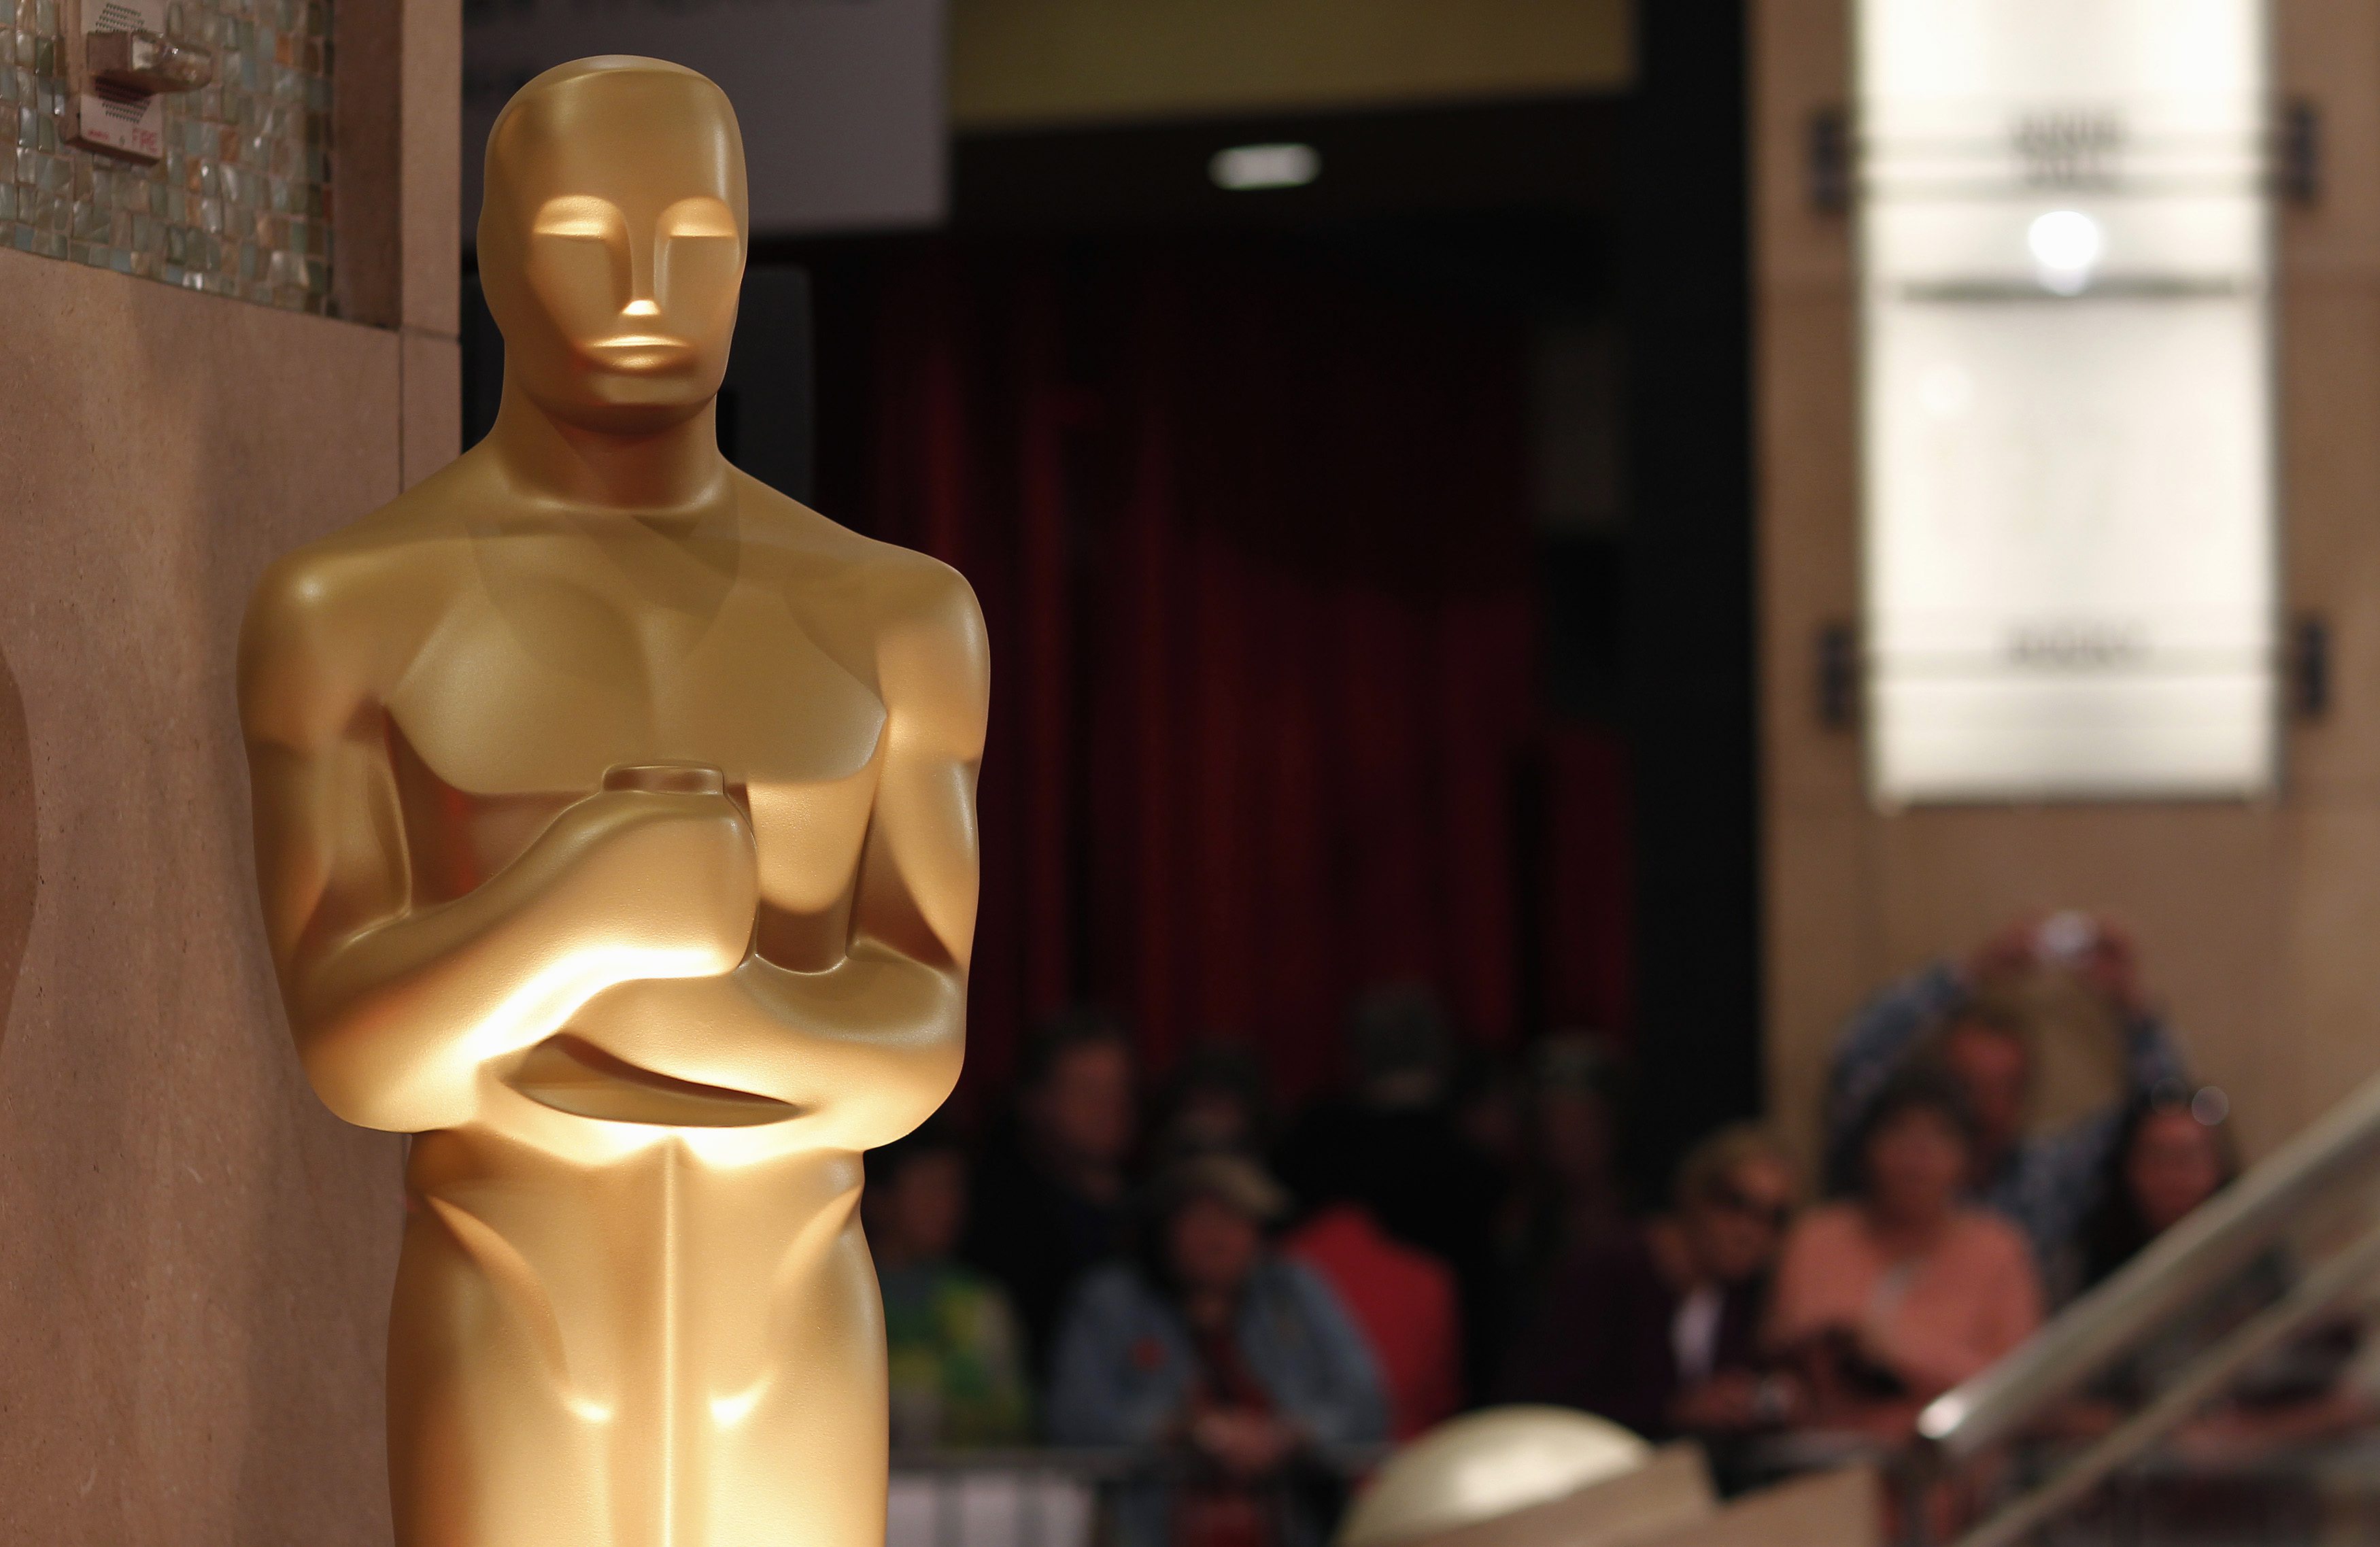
2192 1258
2199 1382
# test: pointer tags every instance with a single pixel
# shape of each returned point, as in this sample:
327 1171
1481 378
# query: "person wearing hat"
1209 1345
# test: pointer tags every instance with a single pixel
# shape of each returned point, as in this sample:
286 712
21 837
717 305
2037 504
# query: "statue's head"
612 241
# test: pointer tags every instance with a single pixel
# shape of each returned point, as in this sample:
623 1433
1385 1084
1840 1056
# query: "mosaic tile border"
240 204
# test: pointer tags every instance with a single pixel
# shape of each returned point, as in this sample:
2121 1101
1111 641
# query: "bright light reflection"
1245 167
2066 243
551 995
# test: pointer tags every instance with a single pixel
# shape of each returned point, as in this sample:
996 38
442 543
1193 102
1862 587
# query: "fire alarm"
120 70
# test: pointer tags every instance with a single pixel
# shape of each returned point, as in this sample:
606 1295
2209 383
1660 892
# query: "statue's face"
612 244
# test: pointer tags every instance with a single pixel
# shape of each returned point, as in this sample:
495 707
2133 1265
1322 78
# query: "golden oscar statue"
615 822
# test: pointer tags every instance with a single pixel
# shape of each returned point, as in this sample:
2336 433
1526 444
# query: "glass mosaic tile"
240 204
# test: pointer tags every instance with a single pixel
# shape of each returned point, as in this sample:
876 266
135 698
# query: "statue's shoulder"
882 588
337 619
421 529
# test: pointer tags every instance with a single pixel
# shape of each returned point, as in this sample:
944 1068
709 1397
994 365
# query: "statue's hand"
666 873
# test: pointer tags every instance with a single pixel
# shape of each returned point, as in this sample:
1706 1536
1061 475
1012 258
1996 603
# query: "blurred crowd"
1187 1269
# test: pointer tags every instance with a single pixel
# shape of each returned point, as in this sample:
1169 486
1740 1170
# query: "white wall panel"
2067 424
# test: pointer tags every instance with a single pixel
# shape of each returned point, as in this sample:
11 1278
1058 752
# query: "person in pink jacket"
1891 1297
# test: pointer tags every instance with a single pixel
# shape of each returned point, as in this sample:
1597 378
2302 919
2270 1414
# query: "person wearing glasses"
1658 1327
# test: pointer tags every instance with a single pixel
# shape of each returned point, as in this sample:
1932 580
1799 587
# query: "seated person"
1659 1329
1405 1302
2046 1185
1209 1344
1889 1300
2170 1158
1049 1199
1390 1142
956 1358
2165 1160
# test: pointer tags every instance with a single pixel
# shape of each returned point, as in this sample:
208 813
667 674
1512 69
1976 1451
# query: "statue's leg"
695 1360
486 1445
805 1467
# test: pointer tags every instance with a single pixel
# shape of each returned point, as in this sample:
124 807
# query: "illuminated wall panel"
2068 535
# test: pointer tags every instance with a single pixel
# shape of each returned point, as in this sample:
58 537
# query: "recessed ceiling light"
1245 167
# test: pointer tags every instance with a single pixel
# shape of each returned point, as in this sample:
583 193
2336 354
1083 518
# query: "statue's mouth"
642 351
571 1074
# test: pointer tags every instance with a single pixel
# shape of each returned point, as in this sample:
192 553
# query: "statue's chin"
620 403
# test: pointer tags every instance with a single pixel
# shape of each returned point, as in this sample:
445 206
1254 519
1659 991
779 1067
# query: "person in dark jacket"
1049 1194
1390 1144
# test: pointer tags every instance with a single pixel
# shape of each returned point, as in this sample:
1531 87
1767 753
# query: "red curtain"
1252 546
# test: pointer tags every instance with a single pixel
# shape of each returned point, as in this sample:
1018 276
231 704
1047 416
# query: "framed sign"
2068 524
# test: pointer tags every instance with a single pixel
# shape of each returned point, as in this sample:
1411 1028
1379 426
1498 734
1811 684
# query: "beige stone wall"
195 1259
2258 924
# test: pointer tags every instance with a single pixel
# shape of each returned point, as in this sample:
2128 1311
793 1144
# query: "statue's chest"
502 721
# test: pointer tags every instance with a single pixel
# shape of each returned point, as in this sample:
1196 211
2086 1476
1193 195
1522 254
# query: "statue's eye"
580 215
698 216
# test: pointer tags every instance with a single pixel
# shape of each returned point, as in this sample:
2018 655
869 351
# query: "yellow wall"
2257 923
1019 63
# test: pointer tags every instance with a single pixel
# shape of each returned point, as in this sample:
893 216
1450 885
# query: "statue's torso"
544 669
680 1319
